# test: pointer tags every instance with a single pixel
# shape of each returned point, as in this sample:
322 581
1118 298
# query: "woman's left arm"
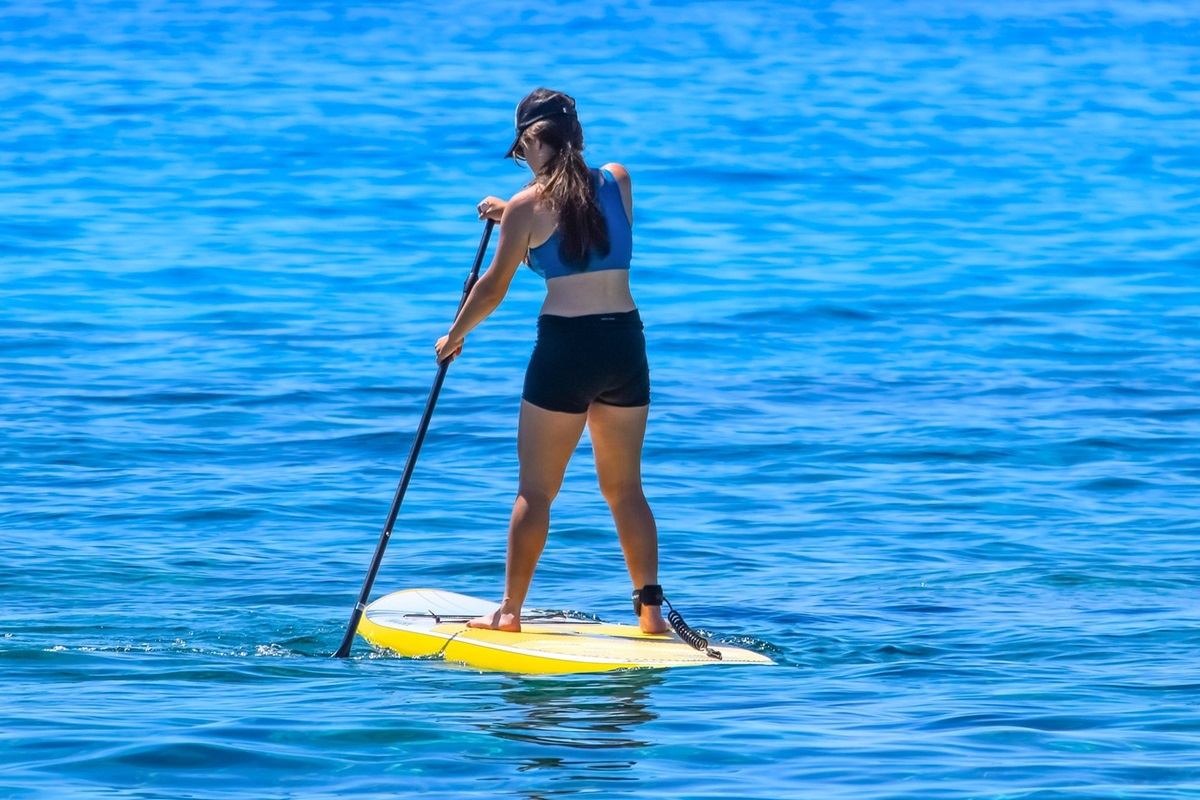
492 286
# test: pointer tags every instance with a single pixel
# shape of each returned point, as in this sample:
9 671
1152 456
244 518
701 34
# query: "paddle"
361 605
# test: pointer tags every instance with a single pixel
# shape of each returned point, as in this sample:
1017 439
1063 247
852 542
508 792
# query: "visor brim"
513 147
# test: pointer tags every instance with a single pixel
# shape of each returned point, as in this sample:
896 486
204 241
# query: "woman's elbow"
490 292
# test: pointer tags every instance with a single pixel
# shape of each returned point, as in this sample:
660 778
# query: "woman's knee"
536 497
622 492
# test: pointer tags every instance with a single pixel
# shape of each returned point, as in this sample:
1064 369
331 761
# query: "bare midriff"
585 293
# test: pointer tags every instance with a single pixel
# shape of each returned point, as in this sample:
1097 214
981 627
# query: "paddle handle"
410 465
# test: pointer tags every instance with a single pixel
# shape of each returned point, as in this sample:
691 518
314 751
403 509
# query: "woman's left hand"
447 350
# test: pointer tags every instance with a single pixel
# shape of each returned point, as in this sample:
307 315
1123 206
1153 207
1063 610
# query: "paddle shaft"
410 465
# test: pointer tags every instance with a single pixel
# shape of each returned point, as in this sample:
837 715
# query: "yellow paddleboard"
431 622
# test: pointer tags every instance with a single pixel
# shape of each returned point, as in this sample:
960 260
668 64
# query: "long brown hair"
568 187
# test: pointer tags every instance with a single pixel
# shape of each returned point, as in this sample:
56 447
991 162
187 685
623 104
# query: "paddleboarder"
572 225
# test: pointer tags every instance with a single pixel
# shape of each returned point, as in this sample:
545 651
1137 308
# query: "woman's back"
604 286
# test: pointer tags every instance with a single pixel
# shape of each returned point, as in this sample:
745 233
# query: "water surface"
921 290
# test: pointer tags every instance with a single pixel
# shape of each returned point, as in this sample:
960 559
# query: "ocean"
921 286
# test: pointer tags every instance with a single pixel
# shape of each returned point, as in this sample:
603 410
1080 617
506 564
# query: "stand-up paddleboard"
430 622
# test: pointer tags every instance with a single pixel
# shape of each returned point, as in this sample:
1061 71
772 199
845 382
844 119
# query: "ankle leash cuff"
652 595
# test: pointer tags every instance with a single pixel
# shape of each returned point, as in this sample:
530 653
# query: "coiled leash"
652 595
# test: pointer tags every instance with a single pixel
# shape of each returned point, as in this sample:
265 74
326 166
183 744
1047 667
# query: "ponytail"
569 188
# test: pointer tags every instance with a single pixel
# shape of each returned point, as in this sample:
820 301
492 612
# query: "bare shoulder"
619 173
526 198
524 203
621 176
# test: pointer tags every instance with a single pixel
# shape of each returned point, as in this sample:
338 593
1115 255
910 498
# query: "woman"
573 226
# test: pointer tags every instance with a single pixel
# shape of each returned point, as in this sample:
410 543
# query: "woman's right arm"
491 208
625 184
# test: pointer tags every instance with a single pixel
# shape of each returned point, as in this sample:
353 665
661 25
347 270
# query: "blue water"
922 290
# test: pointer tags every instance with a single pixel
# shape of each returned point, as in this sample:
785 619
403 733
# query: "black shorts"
597 358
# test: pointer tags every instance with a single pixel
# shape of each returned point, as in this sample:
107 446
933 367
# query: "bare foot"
498 620
652 620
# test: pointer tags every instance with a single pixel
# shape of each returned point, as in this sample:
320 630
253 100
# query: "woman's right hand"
491 208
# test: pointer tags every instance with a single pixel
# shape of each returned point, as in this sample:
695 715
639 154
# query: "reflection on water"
567 727
590 712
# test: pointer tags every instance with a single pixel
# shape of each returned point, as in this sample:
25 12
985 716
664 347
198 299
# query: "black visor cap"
529 112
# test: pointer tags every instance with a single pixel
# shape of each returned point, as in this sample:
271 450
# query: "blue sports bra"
545 259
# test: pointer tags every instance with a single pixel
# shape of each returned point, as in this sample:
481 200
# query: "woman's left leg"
545 442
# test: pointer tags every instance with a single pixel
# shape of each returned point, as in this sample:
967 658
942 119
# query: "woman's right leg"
617 435
545 442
